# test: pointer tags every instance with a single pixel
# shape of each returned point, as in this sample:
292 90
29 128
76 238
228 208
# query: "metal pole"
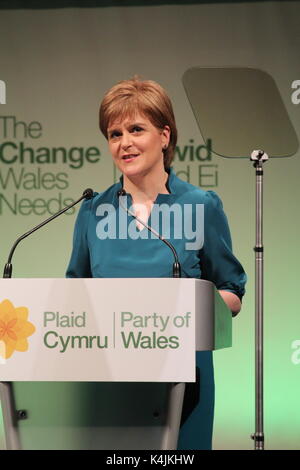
10 421
259 157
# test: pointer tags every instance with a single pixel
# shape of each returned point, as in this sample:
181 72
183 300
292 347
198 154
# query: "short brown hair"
147 97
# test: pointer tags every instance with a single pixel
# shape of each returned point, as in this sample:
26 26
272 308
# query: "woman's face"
136 145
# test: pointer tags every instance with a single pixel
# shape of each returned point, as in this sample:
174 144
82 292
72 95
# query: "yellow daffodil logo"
14 329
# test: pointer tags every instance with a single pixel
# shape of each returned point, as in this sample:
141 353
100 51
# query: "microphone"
176 264
87 194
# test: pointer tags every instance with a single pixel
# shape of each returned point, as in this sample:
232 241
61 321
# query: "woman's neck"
146 188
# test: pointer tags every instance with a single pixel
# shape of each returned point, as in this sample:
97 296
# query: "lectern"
101 363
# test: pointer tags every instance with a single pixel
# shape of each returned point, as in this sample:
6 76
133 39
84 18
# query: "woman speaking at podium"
137 119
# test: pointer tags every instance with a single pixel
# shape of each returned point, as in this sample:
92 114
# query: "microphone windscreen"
88 193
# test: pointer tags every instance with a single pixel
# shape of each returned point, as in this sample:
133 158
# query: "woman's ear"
165 136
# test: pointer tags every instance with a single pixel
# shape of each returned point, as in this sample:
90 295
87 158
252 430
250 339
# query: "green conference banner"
56 65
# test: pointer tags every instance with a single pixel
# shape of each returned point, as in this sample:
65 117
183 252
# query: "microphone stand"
176 264
259 157
87 194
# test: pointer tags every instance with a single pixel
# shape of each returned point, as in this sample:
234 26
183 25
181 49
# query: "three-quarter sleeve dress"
108 244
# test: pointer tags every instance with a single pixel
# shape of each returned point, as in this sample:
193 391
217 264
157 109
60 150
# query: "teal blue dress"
103 248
